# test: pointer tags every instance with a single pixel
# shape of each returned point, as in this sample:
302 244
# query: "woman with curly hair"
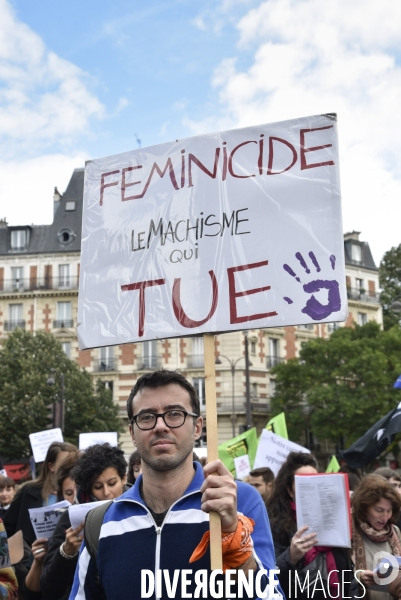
99 474
375 507
296 550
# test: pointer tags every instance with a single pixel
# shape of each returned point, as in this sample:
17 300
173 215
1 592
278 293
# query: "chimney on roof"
56 201
352 235
3 222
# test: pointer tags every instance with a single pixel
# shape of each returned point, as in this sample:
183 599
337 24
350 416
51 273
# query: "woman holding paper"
99 474
36 493
297 554
375 507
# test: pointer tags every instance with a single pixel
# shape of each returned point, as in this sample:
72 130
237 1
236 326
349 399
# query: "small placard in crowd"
41 440
273 450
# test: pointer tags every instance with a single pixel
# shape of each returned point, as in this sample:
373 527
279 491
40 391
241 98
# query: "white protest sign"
78 512
273 450
242 466
45 519
219 232
101 437
41 440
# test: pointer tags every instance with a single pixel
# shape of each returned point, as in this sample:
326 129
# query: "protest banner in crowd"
41 440
278 425
273 450
244 444
213 233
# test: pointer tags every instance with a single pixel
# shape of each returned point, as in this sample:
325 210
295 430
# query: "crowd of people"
156 515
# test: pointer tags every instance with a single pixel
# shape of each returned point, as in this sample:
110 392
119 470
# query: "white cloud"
26 187
44 99
313 57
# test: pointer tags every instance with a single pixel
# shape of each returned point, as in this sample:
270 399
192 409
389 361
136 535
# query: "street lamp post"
233 364
58 405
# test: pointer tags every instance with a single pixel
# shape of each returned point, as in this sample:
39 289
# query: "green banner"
278 426
245 443
333 466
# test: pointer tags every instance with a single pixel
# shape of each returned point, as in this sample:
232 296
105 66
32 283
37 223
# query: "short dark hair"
265 472
160 378
94 461
6 482
370 491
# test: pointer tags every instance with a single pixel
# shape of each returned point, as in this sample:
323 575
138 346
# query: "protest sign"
89 439
242 466
333 466
45 518
323 505
41 440
219 232
278 425
245 443
273 450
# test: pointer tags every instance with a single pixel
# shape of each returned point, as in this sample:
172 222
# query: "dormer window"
70 205
356 253
19 239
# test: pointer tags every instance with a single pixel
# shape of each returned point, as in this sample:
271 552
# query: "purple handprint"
313 308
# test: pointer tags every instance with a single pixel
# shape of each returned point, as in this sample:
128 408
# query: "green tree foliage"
340 386
390 282
25 363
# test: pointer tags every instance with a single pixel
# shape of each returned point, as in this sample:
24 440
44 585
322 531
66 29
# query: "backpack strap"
93 524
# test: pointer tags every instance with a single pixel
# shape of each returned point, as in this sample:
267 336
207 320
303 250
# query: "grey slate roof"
45 238
367 258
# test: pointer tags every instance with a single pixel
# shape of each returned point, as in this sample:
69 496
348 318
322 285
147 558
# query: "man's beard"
167 462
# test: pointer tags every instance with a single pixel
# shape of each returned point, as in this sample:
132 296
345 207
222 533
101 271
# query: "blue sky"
80 80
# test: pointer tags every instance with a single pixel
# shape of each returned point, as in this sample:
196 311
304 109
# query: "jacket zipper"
158 530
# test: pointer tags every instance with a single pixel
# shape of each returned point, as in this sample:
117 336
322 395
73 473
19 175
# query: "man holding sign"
154 538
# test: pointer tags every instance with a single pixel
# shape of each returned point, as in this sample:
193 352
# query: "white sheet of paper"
78 512
273 450
323 504
101 437
45 518
242 466
41 440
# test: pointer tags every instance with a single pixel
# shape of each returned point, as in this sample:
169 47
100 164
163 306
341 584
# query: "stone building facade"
39 275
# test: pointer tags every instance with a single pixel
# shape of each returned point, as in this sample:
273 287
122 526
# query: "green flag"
333 466
278 426
245 443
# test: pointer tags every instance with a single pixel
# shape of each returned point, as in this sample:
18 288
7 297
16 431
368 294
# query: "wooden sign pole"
212 443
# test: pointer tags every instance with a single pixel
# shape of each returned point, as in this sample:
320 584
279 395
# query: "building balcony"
225 404
149 362
11 325
273 361
195 361
37 283
63 324
363 295
103 365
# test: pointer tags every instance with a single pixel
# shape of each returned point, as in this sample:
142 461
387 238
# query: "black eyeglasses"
172 418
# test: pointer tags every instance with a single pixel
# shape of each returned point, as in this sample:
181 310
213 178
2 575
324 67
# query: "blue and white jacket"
130 541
